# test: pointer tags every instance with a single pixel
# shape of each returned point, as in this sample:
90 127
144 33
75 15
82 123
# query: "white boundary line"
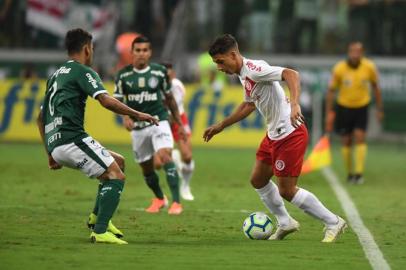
371 249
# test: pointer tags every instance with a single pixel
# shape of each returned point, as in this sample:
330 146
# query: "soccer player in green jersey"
60 123
141 86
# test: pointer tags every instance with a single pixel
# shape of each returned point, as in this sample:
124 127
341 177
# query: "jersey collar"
244 60
142 70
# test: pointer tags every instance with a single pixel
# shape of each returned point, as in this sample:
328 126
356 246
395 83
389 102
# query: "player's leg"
289 153
94 160
157 162
346 152
269 192
152 180
144 152
162 142
312 206
360 150
186 169
172 178
344 127
93 216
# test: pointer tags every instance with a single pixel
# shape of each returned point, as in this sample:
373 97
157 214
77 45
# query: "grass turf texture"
43 215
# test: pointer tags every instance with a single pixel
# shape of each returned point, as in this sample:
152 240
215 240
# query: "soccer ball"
258 226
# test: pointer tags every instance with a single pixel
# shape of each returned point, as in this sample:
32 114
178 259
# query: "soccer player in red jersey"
282 150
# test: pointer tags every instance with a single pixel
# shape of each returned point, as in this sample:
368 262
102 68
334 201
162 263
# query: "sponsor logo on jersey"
62 70
253 67
153 82
279 165
130 84
143 96
249 86
82 163
54 124
91 80
54 137
141 82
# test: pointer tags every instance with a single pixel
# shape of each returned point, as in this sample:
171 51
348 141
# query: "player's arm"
330 96
242 111
378 101
119 94
52 164
292 79
173 107
377 94
118 107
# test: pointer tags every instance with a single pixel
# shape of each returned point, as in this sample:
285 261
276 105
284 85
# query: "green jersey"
64 105
143 90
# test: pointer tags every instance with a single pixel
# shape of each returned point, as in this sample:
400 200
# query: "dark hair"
223 44
75 39
140 39
167 65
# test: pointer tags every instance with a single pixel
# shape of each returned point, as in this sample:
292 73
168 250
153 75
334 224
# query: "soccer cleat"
358 179
91 221
332 232
175 209
350 178
114 230
157 204
110 227
107 238
282 232
185 192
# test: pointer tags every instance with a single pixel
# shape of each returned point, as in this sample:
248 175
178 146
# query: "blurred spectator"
209 77
260 26
123 48
306 23
397 31
284 26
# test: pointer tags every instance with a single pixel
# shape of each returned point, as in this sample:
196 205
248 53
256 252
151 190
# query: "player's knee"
165 158
187 158
120 161
258 183
287 193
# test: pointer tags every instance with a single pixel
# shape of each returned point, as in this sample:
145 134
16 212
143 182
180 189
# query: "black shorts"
348 119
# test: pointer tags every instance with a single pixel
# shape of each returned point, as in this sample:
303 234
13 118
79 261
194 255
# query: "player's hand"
147 117
52 164
128 123
329 121
296 117
211 131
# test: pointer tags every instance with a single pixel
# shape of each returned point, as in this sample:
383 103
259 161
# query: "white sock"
187 171
269 195
309 203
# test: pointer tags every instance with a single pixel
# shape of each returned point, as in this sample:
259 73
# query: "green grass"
43 215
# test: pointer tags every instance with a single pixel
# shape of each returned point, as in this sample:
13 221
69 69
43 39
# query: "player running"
141 86
281 151
60 123
183 157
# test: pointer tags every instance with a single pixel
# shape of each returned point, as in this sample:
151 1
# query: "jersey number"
53 89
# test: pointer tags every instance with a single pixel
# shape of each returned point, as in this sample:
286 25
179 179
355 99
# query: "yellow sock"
360 155
347 157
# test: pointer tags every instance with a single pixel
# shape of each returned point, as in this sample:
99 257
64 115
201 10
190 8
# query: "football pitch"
43 215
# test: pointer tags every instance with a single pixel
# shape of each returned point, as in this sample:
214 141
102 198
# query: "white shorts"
147 141
88 156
